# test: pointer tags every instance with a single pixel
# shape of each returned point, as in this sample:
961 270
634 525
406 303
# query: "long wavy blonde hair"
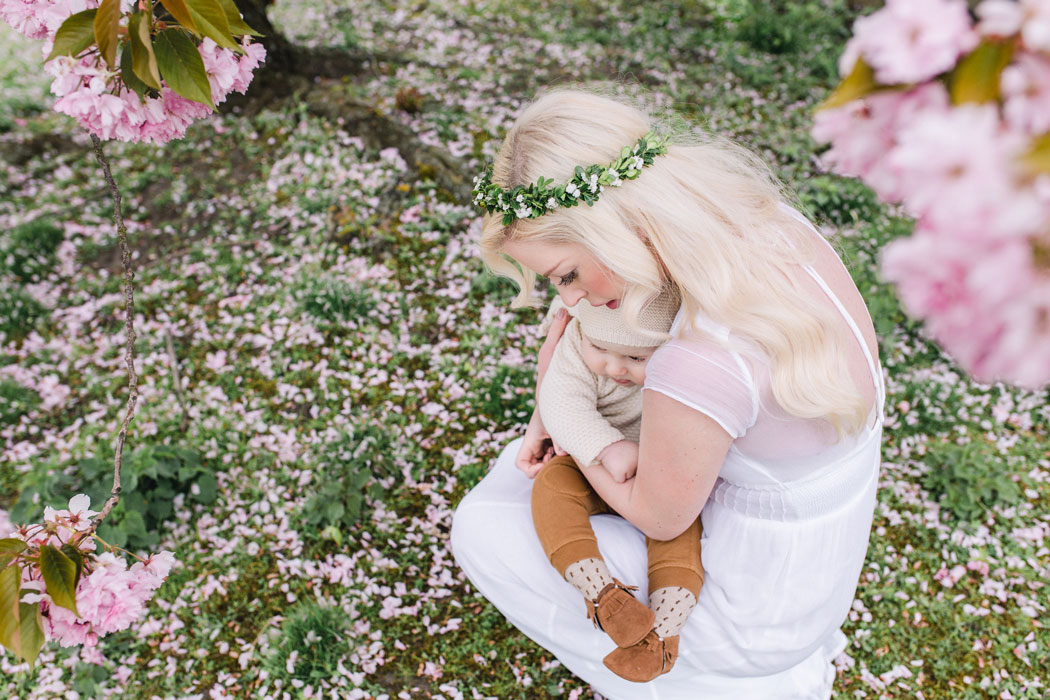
707 218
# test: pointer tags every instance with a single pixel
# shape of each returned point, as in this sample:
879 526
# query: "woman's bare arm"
681 453
537 447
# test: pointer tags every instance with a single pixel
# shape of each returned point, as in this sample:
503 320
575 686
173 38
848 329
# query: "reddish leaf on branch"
76 34
60 576
107 22
976 78
181 13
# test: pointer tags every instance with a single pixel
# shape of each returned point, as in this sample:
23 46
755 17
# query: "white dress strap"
876 373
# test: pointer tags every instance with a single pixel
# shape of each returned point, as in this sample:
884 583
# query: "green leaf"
976 78
10 585
12 545
209 487
78 560
127 75
107 20
60 575
76 34
143 60
133 524
859 83
233 16
181 66
211 21
181 13
1036 159
112 534
31 632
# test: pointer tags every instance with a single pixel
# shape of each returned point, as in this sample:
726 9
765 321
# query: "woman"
762 414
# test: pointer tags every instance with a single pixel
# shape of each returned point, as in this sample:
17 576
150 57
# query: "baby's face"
624 364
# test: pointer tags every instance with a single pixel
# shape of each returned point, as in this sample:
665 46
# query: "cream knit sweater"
585 413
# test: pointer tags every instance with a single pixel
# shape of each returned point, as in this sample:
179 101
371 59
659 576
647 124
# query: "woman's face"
575 273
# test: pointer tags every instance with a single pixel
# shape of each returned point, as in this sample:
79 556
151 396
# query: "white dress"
785 532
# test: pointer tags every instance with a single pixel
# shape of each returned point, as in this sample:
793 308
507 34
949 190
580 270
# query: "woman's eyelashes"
568 279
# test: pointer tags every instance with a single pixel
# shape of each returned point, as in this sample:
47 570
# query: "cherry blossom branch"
129 325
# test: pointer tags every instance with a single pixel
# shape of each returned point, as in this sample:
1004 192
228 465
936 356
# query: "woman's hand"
537 449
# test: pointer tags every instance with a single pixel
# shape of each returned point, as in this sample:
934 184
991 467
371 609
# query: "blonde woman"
762 415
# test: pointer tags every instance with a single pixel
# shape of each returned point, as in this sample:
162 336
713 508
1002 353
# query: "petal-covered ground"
316 330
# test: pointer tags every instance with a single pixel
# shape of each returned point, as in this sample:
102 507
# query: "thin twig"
129 326
177 380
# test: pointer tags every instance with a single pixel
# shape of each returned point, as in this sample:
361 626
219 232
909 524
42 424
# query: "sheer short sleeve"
708 378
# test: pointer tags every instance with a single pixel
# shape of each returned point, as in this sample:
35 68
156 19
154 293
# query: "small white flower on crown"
523 213
572 190
520 199
552 204
637 163
592 184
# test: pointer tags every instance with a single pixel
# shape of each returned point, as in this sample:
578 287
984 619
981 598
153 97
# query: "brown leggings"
562 503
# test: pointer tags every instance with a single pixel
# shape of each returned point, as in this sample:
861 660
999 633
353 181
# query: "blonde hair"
708 218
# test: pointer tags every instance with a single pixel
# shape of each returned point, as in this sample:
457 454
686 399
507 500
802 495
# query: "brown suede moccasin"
644 661
620 615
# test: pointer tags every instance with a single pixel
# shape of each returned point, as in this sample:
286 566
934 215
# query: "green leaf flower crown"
536 199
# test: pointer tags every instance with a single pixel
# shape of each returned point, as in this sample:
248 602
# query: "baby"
590 401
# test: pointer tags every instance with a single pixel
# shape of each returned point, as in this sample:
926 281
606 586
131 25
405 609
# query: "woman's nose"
571 296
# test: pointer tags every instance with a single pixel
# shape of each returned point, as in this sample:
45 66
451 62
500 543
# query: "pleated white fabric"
781 558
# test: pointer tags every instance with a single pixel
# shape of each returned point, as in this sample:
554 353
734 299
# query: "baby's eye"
567 279
637 359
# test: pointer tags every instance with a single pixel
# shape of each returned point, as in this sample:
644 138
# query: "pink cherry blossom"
1025 86
1004 18
985 300
77 518
909 41
863 132
999 18
956 168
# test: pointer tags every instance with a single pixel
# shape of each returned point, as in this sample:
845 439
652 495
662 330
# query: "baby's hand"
620 459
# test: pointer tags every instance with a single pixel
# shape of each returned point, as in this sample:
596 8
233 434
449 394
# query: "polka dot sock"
589 576
672 605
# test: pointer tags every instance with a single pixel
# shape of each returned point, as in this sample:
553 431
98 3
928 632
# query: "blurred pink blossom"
1025 86
1003 18
863 132
909 41
954 168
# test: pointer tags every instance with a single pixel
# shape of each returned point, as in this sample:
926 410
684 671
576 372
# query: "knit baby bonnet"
602 324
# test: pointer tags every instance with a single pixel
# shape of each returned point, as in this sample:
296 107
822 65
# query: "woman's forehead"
542 256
